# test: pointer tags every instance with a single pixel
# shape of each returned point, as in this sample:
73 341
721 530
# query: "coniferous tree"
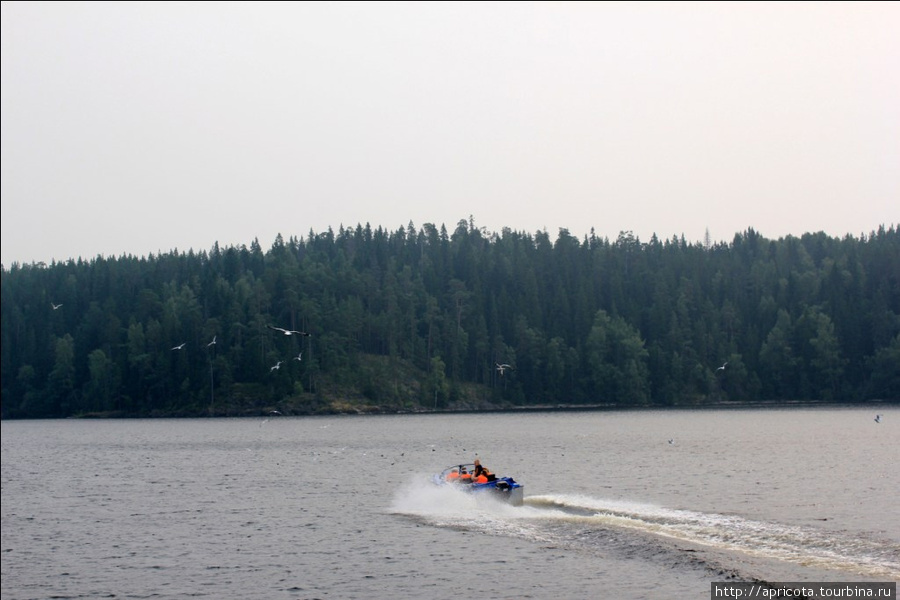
582 321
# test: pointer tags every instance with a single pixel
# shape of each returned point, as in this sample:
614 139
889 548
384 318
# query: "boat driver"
481 474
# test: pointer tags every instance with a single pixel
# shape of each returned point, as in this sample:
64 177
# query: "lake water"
342 507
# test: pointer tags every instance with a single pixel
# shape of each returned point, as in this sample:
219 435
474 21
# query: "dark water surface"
342 507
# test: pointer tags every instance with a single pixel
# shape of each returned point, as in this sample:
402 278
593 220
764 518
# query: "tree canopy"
414 317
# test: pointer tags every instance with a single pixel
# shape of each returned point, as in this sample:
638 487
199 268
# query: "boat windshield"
469 467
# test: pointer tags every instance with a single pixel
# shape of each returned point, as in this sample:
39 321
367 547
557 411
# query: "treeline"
409 318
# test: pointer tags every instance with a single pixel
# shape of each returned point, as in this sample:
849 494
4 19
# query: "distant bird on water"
672 441
56 306
878 418
276 367
288 331
722 368
272 413
212 342
180 346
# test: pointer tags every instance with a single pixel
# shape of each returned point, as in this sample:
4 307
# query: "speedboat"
504 488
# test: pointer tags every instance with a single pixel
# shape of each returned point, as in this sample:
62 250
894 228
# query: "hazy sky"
135 128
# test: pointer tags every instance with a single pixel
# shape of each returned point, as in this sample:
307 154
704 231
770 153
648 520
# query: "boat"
504 488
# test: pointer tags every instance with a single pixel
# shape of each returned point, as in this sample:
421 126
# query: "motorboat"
461 476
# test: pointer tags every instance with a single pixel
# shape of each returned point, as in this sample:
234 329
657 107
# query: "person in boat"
464 475
453 475
481 474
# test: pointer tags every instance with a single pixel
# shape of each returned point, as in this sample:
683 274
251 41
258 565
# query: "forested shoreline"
419 319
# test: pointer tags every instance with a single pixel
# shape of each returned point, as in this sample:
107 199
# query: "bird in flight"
722 368
288 331
276 367
299 356
212 342
55 306
502 368
179 347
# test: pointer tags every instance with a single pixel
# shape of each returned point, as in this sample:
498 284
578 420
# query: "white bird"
276 367
722 368
55 306
299 356
878 418
179 347
212 342
274 412
288 331
502 368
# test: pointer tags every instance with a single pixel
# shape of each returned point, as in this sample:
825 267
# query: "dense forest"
421 320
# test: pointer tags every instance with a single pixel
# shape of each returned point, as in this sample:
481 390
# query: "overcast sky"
137 128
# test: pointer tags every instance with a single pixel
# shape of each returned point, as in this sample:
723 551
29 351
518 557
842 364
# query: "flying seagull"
55 306
299 356
502 368
276 367
722 368
878 418
212 342
179 347
288 331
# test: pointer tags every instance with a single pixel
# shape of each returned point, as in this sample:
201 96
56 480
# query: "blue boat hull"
505 488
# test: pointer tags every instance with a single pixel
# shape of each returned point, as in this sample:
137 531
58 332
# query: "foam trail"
445 506
801 545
